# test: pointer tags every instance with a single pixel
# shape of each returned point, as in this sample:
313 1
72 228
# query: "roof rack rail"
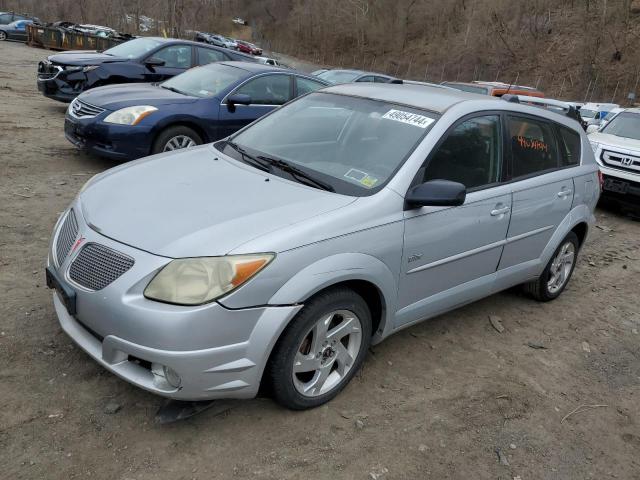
508 97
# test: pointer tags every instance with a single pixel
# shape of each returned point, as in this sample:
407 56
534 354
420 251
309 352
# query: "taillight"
600 179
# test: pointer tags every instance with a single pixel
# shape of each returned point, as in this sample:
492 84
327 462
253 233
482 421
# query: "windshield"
587 113
625 125
339 76
205 82
353 144
467 88
133 48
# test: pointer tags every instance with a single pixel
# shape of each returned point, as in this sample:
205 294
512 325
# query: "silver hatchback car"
280 254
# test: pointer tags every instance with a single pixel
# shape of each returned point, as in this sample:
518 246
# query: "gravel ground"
438 400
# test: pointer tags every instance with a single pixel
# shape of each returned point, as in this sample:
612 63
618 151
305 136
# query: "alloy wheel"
561 266
3 36
179 142
327 353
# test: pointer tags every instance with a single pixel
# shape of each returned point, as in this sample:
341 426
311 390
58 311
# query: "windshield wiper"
248 158
173 89
297 173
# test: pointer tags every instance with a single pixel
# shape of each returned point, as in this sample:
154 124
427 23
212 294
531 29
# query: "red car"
247 47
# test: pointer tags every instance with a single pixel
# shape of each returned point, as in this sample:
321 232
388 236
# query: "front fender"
339 268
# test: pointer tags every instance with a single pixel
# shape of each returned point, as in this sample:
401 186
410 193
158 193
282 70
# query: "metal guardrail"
56 38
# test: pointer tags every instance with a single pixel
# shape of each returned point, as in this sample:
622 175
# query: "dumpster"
61 38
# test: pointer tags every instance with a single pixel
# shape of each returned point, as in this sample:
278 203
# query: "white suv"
617 150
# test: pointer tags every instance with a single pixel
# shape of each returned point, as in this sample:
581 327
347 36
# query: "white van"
593 113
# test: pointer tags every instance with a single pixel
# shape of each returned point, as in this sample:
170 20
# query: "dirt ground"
434 401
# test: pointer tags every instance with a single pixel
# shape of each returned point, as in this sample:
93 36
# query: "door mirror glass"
237 99
592 128
437 193
154 62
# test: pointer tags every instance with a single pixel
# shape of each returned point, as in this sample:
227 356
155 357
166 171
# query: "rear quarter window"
570 147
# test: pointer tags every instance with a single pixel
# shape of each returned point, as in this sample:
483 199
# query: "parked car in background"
609 116
250 48
494 89
594 113
64 76
9 17
15 30
337 76
201 105
271 61
209 38
280 254
616 146
229 43
239 21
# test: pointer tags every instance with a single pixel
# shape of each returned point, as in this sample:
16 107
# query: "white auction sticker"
410 118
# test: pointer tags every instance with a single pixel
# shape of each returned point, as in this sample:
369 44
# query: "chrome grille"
66 235
621 161
96 266
82 109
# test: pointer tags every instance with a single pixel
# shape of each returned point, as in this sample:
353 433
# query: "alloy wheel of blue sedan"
178 142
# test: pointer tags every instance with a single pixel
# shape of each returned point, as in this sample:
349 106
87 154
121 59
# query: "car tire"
322 369
3 36
172 138
558 271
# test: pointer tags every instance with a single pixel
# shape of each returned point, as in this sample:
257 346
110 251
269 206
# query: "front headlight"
594 146
130 115
194 281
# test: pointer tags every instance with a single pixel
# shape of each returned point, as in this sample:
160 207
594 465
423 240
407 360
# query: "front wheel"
176 138
3 36
321 350
557 273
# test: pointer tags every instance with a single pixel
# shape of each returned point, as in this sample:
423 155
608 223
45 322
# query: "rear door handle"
565 193
500 211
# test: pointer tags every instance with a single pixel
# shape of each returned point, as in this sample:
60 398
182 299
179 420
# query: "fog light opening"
166 375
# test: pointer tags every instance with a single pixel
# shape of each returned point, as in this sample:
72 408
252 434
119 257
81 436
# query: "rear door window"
570 147
268 89
471 154
306 85
533 146
175 56
209 55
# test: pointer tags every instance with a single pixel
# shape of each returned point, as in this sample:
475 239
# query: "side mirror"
237 99
154 62
436 193
592 128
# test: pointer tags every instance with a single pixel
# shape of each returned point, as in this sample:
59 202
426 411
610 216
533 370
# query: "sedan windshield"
205 82
355 145
625 124
339 76
133 48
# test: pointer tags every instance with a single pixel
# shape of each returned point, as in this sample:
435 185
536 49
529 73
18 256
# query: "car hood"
615 141
113 97
197 202
84 57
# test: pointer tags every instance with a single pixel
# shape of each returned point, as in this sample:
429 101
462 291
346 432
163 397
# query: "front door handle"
500 211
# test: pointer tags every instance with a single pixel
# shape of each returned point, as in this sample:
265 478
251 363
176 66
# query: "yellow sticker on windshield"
369 181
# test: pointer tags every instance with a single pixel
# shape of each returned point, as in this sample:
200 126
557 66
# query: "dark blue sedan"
15 31
201 105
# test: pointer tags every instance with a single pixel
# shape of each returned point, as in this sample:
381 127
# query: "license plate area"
616 186
67 294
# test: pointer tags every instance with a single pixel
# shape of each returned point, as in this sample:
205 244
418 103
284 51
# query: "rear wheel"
3 35
176 138
557 273
321 350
